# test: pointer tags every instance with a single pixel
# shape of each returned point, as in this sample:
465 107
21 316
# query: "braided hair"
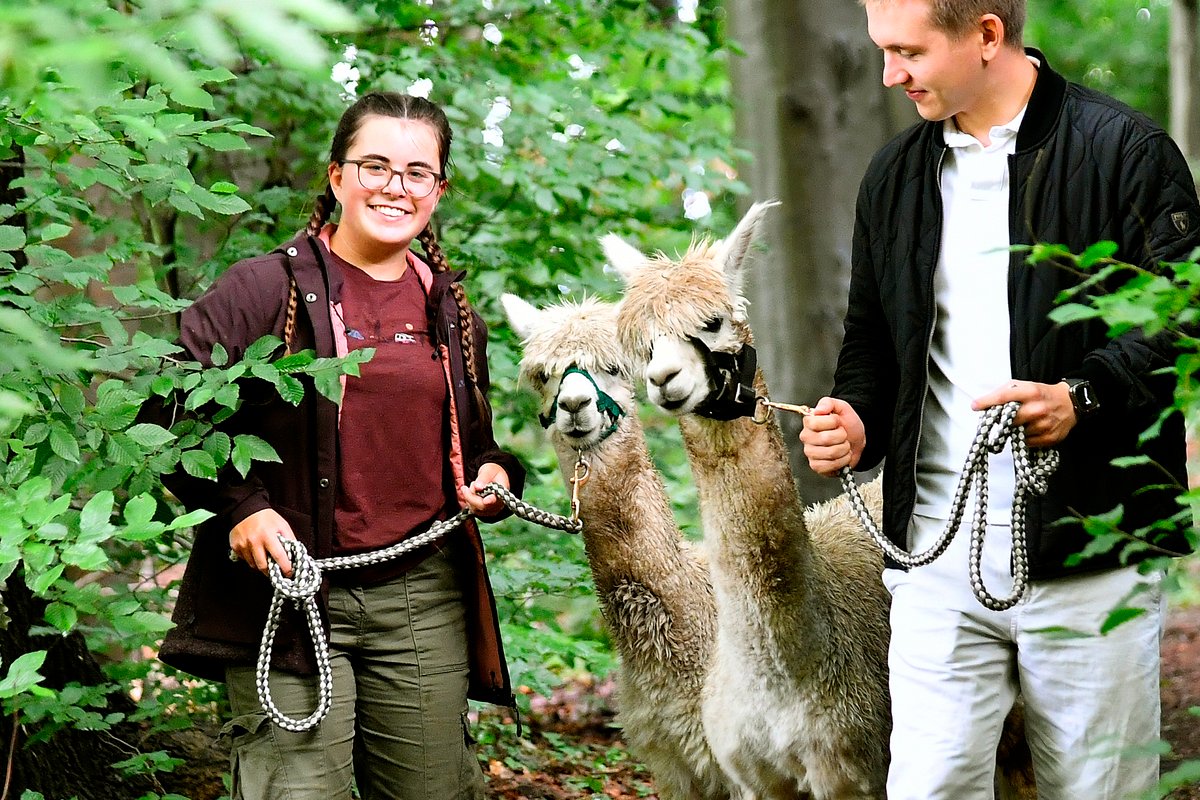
402 106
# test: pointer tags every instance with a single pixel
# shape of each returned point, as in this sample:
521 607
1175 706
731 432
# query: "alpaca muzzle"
610 409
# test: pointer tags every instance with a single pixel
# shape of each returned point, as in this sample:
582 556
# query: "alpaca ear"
733 249
522 317
624 257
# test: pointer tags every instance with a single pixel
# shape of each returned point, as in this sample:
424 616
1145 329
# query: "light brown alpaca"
797 699
652 584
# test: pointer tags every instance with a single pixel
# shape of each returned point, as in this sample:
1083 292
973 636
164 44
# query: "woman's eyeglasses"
376 175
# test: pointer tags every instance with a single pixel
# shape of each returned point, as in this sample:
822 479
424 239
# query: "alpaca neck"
636 551
753 517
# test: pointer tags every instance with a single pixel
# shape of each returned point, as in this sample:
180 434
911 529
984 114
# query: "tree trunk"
810 106
1185 72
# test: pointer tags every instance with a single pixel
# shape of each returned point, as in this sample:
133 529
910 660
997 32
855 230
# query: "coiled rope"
1033 471
305 583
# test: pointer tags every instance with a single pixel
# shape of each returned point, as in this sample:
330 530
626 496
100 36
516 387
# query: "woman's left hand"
484 506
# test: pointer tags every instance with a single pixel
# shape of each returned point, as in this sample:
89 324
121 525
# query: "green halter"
604 404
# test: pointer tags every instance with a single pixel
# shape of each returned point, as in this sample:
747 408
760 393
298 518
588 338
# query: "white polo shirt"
968 356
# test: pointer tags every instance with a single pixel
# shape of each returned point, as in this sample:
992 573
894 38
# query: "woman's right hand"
256 539
833 436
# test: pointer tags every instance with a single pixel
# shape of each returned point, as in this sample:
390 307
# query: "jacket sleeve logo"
1182 221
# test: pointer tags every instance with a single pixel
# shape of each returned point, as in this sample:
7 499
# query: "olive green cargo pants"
397 728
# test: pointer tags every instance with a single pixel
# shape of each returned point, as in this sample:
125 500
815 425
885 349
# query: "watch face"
1083 397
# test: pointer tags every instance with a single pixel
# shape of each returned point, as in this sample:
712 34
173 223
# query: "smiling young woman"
378 224
411 443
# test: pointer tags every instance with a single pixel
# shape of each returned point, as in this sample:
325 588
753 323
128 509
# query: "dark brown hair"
401 106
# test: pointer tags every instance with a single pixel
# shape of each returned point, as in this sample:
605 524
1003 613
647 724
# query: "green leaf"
250 130
141 622
199 396
192 97
94 518
247 448
190 519
199 464
262 348
290 389
85 555
36 433
1120 616
185 204
122 451
63 443
228 395
162 385
217 444
543 198
219 355
1073 312
1100 251
1131 461
329 384
224 142
221 203
147 434
11 237
61 616
139 510
42 582
119 418
71 400
295 361
55 230
23 674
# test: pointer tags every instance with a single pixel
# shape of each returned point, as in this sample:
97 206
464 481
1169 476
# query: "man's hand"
255 540
484 506
1046 411
833 436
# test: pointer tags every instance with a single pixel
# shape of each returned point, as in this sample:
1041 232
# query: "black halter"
732 377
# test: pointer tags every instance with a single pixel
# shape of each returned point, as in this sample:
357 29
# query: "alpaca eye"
713 325
540 376
613 370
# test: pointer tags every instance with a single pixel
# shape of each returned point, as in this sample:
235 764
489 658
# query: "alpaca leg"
1014 762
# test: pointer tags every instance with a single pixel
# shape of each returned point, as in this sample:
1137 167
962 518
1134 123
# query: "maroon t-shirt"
393 429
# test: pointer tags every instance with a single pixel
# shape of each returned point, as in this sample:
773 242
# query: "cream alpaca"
796 702
652 584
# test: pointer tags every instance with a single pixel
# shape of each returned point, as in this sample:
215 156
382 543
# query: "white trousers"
1091 700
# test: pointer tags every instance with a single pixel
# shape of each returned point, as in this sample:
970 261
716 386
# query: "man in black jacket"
945 320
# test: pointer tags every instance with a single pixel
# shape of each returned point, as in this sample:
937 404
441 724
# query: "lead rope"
1033 470
305 582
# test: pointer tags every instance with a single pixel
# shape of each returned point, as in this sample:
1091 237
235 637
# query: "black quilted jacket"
1086 169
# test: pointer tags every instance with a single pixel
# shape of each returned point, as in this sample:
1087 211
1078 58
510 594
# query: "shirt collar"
999 135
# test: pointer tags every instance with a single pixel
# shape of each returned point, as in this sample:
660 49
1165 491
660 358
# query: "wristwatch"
1083 396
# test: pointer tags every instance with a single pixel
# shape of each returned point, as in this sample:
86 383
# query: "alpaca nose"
573 405
661 376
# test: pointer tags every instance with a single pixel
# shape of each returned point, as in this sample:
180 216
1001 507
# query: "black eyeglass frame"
358 162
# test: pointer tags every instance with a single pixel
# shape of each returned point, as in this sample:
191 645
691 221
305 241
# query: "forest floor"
572 748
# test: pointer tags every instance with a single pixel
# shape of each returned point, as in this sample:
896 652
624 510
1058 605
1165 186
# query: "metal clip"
801 410
582 469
